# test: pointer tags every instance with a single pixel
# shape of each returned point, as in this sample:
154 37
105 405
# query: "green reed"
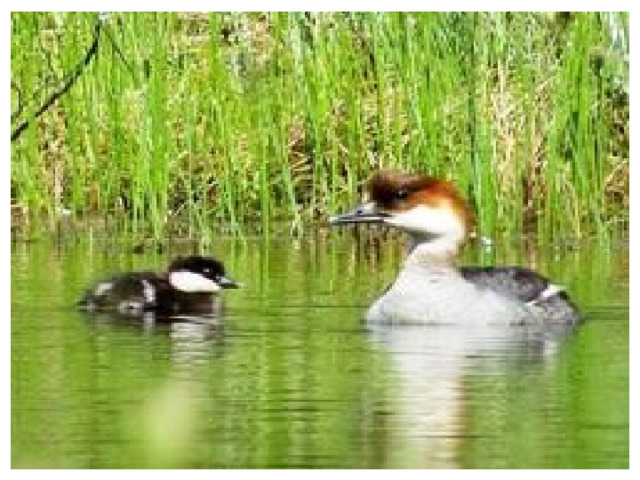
186 121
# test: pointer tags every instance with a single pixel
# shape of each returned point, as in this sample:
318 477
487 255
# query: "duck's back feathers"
525 286
517 282
129 293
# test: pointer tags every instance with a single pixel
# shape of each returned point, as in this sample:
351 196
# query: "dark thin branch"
114 45
77 71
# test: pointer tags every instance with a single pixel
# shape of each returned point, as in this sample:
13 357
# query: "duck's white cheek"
192 282
421 219
424 220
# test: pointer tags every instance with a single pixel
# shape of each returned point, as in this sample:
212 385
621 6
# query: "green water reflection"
292 378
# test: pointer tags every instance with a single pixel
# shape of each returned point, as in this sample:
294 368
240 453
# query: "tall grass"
185 121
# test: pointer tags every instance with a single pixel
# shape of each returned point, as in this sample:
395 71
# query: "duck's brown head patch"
395 191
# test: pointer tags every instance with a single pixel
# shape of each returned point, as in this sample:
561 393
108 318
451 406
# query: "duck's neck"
432 252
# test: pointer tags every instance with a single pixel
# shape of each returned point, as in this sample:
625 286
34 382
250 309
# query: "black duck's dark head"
197 274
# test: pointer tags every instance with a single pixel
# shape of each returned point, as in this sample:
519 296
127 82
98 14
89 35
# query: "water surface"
291 377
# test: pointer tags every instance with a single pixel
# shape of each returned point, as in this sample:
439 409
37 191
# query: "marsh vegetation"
184 123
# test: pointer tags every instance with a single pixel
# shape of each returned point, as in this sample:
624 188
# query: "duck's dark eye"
401 194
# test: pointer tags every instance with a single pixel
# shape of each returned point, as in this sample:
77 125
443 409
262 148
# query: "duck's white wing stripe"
551 290
102 289
149 291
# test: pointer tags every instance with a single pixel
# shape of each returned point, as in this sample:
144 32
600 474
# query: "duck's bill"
226 282
365 213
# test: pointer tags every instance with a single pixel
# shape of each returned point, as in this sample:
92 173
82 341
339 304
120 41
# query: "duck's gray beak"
365 213
226 282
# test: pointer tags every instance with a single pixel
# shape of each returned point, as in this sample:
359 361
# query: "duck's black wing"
126 293
518 282
526 286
